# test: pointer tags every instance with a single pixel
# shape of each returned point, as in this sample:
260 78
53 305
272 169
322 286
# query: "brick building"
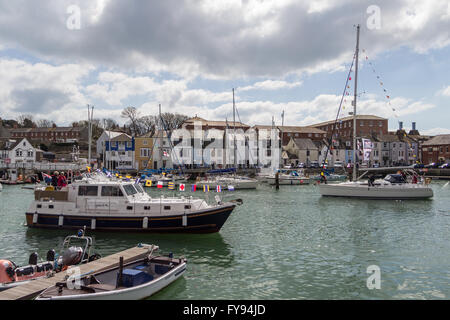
436 149
54 134
365 125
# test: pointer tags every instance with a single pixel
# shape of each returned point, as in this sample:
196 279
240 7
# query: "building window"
361 123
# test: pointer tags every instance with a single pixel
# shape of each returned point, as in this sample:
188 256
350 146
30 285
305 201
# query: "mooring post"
277 180
119 277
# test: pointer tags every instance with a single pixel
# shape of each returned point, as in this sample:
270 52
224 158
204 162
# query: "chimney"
413 126
400 125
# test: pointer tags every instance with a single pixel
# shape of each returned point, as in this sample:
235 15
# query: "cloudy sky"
56 56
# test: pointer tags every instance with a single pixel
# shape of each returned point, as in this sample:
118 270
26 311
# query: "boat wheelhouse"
101 203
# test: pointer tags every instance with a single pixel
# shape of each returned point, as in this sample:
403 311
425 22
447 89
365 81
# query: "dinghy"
132 281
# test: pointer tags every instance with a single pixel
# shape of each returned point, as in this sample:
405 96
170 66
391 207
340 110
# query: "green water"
286 244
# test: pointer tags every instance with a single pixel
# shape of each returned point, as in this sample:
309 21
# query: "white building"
116 151
17 152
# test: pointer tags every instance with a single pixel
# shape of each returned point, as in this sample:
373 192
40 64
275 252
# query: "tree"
26 121
44 123
109 124
132 115
173 121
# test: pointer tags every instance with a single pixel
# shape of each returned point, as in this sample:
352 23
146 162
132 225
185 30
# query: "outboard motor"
33 259
51 255
72 256
7 273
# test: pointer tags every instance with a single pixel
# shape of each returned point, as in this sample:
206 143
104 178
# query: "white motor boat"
132 281
289 179
102 203
394 186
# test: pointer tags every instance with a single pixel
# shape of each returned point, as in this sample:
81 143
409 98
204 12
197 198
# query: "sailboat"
397 187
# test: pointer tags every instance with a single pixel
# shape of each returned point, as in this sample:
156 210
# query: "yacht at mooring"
101 203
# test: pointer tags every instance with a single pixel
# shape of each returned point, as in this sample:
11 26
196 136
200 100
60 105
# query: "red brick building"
366 125
295 132
436 149
54 134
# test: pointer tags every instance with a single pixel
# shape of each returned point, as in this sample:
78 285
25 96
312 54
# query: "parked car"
376 165
418 165
301 165
445 166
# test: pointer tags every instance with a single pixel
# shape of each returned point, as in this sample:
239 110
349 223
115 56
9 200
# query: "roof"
14 143
304 144
113 134
214 123
438 140
296 129
358 117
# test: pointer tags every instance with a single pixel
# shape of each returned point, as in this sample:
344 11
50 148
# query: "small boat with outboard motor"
75 250
107 203
129 281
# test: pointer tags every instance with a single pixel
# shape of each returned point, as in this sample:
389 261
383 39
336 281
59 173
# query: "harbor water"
282 244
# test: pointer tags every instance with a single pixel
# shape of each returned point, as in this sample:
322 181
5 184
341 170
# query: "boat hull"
247 185
133 293
203 221
375 192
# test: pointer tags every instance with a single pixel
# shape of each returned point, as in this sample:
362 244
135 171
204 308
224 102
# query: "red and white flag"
159 185
218 188
182 187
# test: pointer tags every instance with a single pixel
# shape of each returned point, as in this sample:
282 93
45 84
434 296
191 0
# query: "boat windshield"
129 189
139 188
395 178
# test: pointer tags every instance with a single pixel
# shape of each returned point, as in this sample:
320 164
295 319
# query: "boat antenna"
354 104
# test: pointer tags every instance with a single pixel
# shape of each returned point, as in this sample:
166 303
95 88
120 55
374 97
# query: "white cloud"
271 85
220 39
435 131
40 89
444 92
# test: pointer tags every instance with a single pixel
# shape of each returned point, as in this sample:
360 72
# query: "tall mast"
90 115
161 136
354 104
234 131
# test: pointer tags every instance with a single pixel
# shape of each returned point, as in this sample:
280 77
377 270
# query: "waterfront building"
18 151
437 149
116 150
144 152
366 125
303 151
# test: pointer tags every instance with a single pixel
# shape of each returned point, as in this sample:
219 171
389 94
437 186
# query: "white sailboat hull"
356 190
